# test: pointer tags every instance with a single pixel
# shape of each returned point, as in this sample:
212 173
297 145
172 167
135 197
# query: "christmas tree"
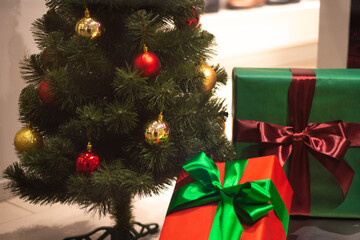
115 107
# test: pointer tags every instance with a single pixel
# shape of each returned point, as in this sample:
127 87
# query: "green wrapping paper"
262 95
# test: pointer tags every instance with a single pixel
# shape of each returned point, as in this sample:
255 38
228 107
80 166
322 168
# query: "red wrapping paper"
196 223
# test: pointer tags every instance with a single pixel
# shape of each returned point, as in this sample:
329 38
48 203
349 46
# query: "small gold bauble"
210 78
88 27
27 138
156 131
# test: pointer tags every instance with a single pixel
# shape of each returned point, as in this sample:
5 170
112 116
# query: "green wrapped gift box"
311 120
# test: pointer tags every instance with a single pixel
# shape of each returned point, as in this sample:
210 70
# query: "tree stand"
124 228
120 234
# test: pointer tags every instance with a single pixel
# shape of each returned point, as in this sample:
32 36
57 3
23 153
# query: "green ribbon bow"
249 201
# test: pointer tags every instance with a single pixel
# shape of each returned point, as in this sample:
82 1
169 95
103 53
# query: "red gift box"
196 222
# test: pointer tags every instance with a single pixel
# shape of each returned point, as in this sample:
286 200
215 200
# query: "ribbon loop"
325 138
254 192
254 201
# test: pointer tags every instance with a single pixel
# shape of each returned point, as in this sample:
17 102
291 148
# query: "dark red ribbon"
327 142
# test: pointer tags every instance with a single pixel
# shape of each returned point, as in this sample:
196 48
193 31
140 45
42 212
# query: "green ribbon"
248 201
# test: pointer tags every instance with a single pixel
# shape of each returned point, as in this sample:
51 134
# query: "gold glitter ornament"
157 131
210 78
27 138
88 27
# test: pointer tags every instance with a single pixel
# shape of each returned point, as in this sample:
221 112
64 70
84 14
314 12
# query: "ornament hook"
87 13
160 118
89 147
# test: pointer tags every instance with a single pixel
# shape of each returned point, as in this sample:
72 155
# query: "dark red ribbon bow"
324 138
327 142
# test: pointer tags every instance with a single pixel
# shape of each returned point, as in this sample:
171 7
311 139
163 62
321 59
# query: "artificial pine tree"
87 90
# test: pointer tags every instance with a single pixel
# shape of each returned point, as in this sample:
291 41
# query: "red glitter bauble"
87 162
148 64
45 93
195 21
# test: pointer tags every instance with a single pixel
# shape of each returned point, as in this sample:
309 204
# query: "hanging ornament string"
89 146
162 102
157 131
143 39
162 106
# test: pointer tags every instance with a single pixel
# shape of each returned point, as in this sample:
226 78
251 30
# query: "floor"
20 220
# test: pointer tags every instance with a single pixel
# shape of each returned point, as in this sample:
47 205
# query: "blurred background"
261 33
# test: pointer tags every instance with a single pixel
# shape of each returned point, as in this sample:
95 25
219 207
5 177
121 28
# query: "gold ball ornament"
210 78
88 27
27 138
157 131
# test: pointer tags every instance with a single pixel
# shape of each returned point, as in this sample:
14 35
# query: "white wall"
16 40
334 33
283 35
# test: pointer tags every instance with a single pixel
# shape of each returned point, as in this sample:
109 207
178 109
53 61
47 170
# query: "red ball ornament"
45 92
87 162
195 20
148 64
